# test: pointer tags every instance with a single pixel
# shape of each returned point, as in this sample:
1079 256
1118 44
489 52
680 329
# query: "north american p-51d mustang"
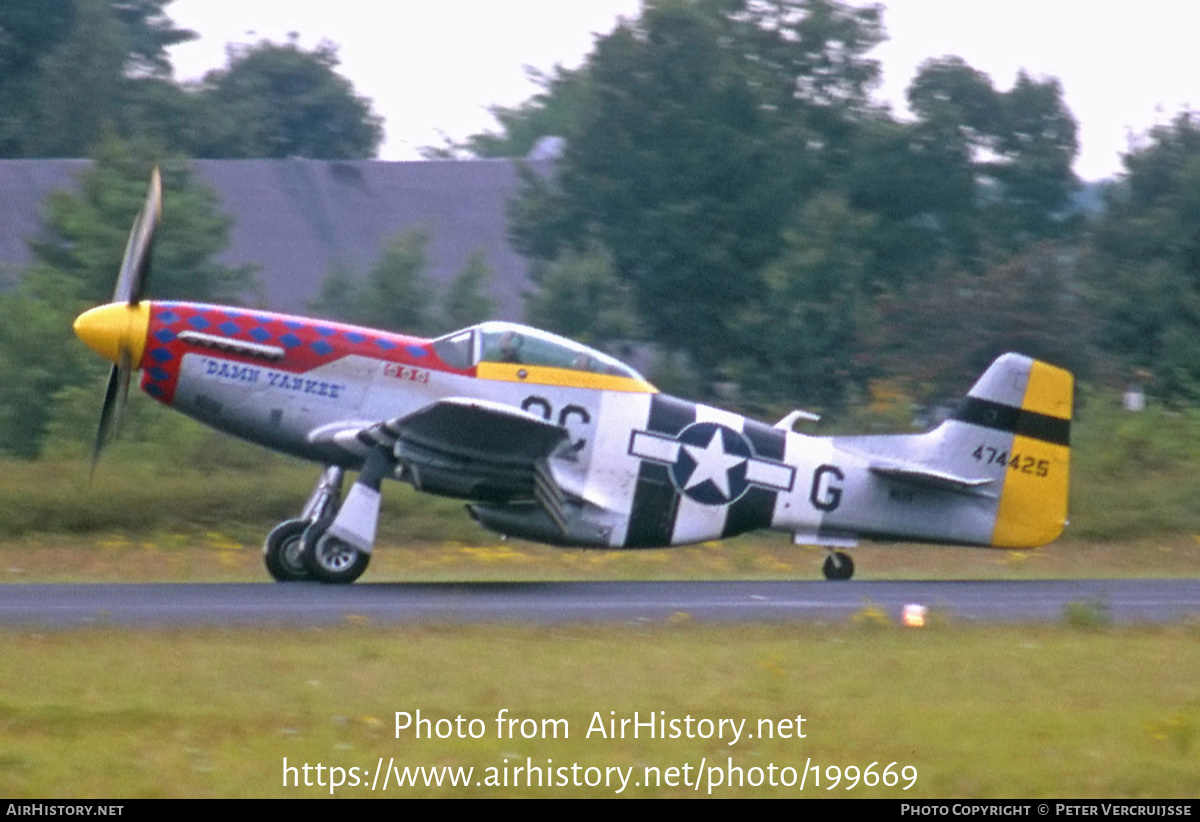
550 440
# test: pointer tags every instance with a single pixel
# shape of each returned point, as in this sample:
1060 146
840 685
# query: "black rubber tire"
283 550
838 566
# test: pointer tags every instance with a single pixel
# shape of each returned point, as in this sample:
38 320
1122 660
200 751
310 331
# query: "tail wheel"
329 559
283 550
838 566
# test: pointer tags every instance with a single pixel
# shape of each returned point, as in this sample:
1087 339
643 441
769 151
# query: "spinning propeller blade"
135 267
110 412
117 331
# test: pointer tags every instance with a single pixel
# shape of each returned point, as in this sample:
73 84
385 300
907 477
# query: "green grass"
138 496
1134 476
1055 711
216 556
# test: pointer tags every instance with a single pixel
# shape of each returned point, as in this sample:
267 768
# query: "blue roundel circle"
711 465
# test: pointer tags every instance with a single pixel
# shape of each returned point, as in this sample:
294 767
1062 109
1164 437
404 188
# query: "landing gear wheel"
329 559
838 566
282 551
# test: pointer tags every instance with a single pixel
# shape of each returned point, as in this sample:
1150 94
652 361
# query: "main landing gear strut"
302 549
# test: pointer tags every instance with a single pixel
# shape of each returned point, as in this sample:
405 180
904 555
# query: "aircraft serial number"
406 372
1023 463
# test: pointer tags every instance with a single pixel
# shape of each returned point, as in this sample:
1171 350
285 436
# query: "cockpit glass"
455 350
512 343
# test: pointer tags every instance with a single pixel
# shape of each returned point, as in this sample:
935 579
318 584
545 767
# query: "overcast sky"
433 67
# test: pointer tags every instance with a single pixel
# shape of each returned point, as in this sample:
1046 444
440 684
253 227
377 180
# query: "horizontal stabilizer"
929 478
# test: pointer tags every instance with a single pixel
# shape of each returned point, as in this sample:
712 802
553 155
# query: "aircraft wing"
480 430
462 447
929 478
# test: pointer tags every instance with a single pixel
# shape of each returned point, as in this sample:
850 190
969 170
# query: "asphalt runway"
1124 601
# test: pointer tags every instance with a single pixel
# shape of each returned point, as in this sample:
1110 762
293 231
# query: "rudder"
1033 401
1033 505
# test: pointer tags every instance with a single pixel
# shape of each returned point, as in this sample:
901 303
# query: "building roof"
294 219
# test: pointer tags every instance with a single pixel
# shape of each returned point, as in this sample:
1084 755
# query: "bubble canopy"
514 343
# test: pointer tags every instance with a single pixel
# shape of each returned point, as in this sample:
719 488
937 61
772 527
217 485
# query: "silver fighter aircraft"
553 441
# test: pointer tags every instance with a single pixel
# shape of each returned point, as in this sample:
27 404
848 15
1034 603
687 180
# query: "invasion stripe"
655 500
751 512
989 414
670 415
768 442
655 504
756 507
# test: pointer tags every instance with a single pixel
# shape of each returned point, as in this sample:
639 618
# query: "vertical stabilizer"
1031 401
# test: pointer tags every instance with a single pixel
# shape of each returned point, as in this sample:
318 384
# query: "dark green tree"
679 167
85 232
916 180
76 263
997 164
934 186
942 332
1144 262
278 100
38 357
580 295
70 70
554 111
465 302
29 30
1037 142
809 60
960 100
149 33
1014 147
701 135
808 327
395 294
339 297
80 85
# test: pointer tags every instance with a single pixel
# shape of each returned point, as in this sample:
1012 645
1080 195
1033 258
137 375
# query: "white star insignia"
713 464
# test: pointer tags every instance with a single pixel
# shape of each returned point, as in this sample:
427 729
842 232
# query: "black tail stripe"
1019 421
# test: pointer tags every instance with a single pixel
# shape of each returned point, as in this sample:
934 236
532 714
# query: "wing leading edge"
460 447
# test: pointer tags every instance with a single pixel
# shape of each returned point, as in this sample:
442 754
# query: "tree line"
770 220
93 78
727 174
75 71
